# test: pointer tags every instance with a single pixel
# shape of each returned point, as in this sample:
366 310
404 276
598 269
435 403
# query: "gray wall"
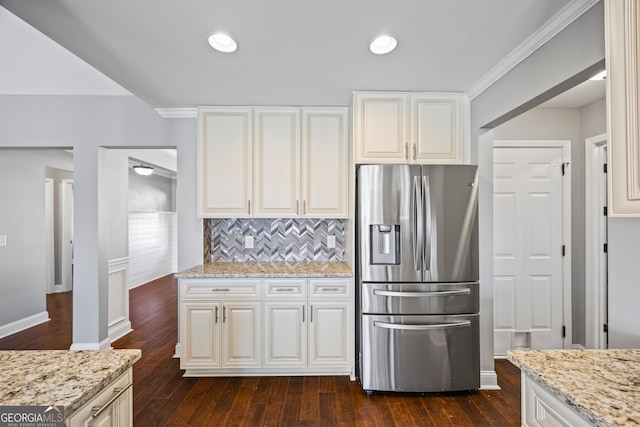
86 123
569 57
22 261
151 193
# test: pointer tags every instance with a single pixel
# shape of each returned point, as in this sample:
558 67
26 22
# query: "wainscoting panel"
152 246
118 321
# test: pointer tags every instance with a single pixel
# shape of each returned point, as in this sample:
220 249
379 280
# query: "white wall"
563 61
22 261
86 123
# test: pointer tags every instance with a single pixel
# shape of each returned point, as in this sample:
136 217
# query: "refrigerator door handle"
380 292
417 225
426 200
386 325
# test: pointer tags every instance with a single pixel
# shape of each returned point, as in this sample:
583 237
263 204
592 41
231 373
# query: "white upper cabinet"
405 127
225 162
325 152
272 162
277 165
622 38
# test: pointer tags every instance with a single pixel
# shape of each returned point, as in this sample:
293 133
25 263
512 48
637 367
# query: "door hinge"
564 331
563 167
564 250
605 248
604 167
604 210
605 328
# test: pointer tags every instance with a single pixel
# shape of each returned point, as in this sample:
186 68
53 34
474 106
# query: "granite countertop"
269 269
59 377
601 385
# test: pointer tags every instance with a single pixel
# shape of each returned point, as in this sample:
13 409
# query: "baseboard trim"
22 324
105 344
119 330
177 351
489 380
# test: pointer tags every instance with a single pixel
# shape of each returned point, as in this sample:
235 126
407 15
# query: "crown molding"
178 113
550 29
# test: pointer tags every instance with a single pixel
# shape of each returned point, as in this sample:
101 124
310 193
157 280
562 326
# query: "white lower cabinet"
298 326
113 406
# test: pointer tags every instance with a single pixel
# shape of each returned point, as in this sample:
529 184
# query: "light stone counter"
59 377
268 269
603 386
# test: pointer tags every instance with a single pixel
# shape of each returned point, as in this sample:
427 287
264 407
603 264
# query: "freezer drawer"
420 298
420 353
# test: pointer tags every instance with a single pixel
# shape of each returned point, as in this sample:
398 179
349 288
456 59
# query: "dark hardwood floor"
162 397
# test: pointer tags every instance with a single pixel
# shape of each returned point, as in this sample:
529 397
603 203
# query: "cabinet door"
380 127
225 162
200 334
277 149
324 162
436 128
328 333
285 333
241 336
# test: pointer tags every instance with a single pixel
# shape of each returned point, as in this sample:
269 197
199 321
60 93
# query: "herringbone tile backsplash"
282 239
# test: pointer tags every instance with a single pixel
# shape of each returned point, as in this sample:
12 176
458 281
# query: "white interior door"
530 245
66 233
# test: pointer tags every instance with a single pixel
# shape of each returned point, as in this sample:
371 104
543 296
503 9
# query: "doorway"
532 251
596 241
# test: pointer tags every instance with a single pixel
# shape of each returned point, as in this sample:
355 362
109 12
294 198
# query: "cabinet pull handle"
406 150
414 151
216 314
220 289
248 207
117 392
285 289
224 313
303 207
303 314
311 313
329 289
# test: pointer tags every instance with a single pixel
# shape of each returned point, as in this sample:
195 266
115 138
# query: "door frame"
49 235
66 234
565 146
595 237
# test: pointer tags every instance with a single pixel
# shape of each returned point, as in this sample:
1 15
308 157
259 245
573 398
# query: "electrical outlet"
248 242
3 240
331 242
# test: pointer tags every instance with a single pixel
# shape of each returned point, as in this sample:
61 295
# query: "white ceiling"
291 52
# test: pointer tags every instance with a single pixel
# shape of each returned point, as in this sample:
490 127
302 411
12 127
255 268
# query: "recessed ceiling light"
383 44
223 42
602 75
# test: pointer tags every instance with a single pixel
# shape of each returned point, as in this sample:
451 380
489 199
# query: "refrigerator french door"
417 250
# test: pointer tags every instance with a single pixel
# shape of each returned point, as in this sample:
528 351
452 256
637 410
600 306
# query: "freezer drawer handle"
421 327
117 392
465 291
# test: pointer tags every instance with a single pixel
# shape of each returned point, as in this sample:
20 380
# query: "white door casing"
49 246
66 234
532 278
596 237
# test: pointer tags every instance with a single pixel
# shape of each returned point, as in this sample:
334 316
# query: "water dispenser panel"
385 244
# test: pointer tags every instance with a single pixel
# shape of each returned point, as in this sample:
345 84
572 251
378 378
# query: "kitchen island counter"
268 269
59 377
602 386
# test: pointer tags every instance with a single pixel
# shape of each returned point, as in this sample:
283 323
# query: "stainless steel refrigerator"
417 254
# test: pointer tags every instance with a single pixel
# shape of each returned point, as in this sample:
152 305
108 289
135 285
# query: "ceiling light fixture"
223 42
383 44
143 170
602 75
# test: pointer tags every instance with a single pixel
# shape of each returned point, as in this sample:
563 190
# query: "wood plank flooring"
162 397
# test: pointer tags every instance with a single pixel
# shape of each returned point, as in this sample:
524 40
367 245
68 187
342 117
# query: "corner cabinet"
288 326
272 162
622 48
401 127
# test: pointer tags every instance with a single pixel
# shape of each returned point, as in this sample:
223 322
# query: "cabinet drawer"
334 288
285 288
119 390
207 289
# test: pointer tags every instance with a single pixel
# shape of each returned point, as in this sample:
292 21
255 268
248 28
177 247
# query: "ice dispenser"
385 243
